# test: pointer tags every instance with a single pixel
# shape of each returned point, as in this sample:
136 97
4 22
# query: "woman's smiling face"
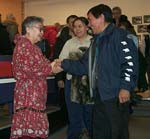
80 29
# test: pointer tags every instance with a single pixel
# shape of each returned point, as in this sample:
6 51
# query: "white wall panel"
57 10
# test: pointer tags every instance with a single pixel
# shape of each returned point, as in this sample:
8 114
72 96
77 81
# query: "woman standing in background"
76 87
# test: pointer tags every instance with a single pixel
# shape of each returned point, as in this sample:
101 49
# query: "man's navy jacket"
116 60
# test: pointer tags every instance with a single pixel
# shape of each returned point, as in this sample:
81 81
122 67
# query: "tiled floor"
139 128
5 119
139 125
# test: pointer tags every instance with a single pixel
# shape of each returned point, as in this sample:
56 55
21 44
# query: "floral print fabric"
30 68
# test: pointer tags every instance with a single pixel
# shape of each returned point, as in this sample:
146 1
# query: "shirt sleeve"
129 64
76 67
65 51
29 62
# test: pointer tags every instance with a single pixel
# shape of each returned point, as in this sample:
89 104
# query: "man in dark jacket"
112 66
66 34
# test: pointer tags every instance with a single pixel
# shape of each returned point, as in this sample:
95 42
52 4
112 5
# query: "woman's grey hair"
29 22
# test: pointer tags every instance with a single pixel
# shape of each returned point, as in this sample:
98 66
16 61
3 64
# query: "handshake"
56 66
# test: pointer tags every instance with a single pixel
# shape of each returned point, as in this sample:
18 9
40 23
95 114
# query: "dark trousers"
80 116
110 119
62 104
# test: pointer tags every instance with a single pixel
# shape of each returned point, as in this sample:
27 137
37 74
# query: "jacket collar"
107 31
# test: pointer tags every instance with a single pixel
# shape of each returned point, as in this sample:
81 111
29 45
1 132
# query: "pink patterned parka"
30 69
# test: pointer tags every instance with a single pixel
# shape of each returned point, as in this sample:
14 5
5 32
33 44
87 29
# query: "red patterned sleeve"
29 62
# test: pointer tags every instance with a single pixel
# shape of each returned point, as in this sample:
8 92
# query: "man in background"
65 34
116 15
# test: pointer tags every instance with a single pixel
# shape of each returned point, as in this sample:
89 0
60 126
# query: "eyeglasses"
40 28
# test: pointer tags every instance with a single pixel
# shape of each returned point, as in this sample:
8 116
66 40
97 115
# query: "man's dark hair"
29 22
96 11
71 16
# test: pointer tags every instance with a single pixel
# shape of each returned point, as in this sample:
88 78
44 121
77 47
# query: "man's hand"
56 66
124 96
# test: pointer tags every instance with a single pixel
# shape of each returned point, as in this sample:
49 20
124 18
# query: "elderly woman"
30 69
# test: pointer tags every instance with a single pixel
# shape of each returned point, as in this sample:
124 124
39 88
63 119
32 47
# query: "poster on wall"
146 18
142 28
137 20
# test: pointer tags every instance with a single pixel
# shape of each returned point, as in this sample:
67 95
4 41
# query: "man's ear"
102 17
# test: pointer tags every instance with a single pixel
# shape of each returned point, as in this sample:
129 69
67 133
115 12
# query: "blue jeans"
80 115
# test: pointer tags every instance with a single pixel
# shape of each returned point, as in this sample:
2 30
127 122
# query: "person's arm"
129 69
31 62
76 67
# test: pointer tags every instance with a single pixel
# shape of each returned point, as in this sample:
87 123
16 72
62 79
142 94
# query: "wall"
58 10
11 6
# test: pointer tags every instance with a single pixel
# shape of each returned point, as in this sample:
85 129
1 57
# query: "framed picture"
137 20
139 38
142 28
146 18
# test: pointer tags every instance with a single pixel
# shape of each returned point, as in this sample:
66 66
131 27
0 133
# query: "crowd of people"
97 65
